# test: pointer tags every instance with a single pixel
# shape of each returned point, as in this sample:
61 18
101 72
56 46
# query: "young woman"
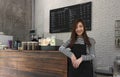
80 51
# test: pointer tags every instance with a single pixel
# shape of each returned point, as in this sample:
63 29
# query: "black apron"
85 69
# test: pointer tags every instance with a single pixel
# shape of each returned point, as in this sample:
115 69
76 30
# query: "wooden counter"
32 64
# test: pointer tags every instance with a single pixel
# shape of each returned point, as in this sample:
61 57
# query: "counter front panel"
32 64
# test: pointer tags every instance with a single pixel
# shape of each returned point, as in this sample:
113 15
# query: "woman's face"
79 29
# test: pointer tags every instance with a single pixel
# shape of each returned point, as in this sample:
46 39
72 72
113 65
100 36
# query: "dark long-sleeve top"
90 50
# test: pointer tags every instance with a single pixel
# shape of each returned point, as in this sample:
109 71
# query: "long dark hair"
74 35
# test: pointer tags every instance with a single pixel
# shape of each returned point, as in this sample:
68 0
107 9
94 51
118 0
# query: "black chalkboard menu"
61 19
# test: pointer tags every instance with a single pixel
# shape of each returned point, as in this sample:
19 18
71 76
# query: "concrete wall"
104 14
39 16
16 18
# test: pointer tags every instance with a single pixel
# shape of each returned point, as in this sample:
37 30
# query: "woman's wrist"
73 58
81 59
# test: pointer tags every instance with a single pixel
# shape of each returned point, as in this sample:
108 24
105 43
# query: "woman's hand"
73 59
77 62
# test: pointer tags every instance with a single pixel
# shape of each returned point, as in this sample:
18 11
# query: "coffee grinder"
32 34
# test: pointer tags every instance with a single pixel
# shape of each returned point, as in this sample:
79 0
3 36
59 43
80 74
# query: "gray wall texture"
16 18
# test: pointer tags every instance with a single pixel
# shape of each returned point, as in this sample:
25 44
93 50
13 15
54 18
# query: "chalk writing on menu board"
61 19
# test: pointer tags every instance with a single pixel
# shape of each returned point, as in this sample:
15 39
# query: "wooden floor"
32 64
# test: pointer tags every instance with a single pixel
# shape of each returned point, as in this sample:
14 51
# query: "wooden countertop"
14 63
11 50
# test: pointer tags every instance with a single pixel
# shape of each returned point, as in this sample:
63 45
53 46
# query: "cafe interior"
31 32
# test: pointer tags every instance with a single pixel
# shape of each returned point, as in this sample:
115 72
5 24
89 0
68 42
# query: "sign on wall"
117 33
61 19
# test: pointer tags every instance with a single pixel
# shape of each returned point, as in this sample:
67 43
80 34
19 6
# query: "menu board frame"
61 19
